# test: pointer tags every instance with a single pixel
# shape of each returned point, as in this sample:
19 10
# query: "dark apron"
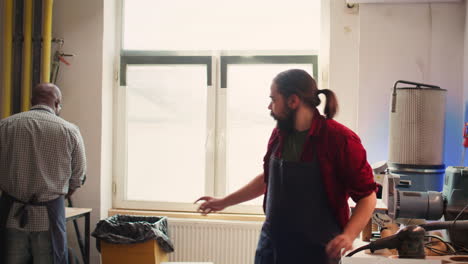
57 225
299 222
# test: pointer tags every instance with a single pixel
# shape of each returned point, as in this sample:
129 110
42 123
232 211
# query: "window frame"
248 57
136 57
121 171
266 59
217 63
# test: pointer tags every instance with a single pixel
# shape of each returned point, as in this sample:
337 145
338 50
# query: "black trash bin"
121 230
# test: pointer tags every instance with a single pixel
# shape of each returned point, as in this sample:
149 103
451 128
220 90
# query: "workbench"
72 213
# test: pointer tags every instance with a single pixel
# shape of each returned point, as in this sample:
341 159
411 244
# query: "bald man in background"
42 162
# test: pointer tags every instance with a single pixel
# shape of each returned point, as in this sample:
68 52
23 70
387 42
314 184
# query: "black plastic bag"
129 229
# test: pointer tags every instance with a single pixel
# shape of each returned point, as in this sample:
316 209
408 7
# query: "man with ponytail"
312 166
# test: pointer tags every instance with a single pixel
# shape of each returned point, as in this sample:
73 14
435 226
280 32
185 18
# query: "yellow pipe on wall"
27 56
7 57
47 40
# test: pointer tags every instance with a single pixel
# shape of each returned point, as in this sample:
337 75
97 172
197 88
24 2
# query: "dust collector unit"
417 123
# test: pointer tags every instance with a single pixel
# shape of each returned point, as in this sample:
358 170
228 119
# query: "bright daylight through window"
195 81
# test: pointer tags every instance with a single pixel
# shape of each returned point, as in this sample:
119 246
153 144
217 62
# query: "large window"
194 89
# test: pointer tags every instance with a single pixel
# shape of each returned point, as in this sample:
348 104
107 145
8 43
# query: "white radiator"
217 241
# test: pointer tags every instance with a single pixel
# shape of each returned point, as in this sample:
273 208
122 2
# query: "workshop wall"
389 42
88 27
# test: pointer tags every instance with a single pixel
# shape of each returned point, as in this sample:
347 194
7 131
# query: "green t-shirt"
293 145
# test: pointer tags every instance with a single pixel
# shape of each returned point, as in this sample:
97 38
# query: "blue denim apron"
299 221
57 225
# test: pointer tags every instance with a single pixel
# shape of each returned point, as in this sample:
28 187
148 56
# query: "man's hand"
358 220
334 247
70 192
211 205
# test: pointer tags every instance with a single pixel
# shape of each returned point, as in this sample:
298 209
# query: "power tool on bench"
452 203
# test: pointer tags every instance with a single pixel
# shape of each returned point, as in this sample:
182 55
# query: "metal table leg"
78 233
87 234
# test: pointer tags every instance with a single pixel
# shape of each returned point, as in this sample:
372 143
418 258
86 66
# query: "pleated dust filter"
417 123
417 126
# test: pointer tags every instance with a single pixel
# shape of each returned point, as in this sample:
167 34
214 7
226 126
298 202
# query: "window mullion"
210 167
220 171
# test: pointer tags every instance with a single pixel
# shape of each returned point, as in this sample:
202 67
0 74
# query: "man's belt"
22 212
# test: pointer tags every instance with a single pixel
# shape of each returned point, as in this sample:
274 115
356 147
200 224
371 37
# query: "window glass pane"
166 126
221 25
249 124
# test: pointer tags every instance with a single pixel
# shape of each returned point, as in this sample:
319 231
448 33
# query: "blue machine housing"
419 178
456 196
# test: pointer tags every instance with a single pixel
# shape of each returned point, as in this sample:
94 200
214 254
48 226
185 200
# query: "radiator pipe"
37 42
7 57
17 68
27 56
47 40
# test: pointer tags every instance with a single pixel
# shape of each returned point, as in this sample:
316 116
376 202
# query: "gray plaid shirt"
41 154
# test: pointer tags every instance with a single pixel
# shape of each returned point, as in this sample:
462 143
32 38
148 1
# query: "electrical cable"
459 214
357 250
462 252
446 243
438 251
461 249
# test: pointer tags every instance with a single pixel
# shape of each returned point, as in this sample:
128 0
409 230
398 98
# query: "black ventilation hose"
445 225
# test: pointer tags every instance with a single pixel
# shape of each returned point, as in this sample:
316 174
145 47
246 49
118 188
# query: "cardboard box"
148 252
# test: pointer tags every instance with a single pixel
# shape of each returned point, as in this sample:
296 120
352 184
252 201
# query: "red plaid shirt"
342 160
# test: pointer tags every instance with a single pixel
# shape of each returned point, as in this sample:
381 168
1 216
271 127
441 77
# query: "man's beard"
286 123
